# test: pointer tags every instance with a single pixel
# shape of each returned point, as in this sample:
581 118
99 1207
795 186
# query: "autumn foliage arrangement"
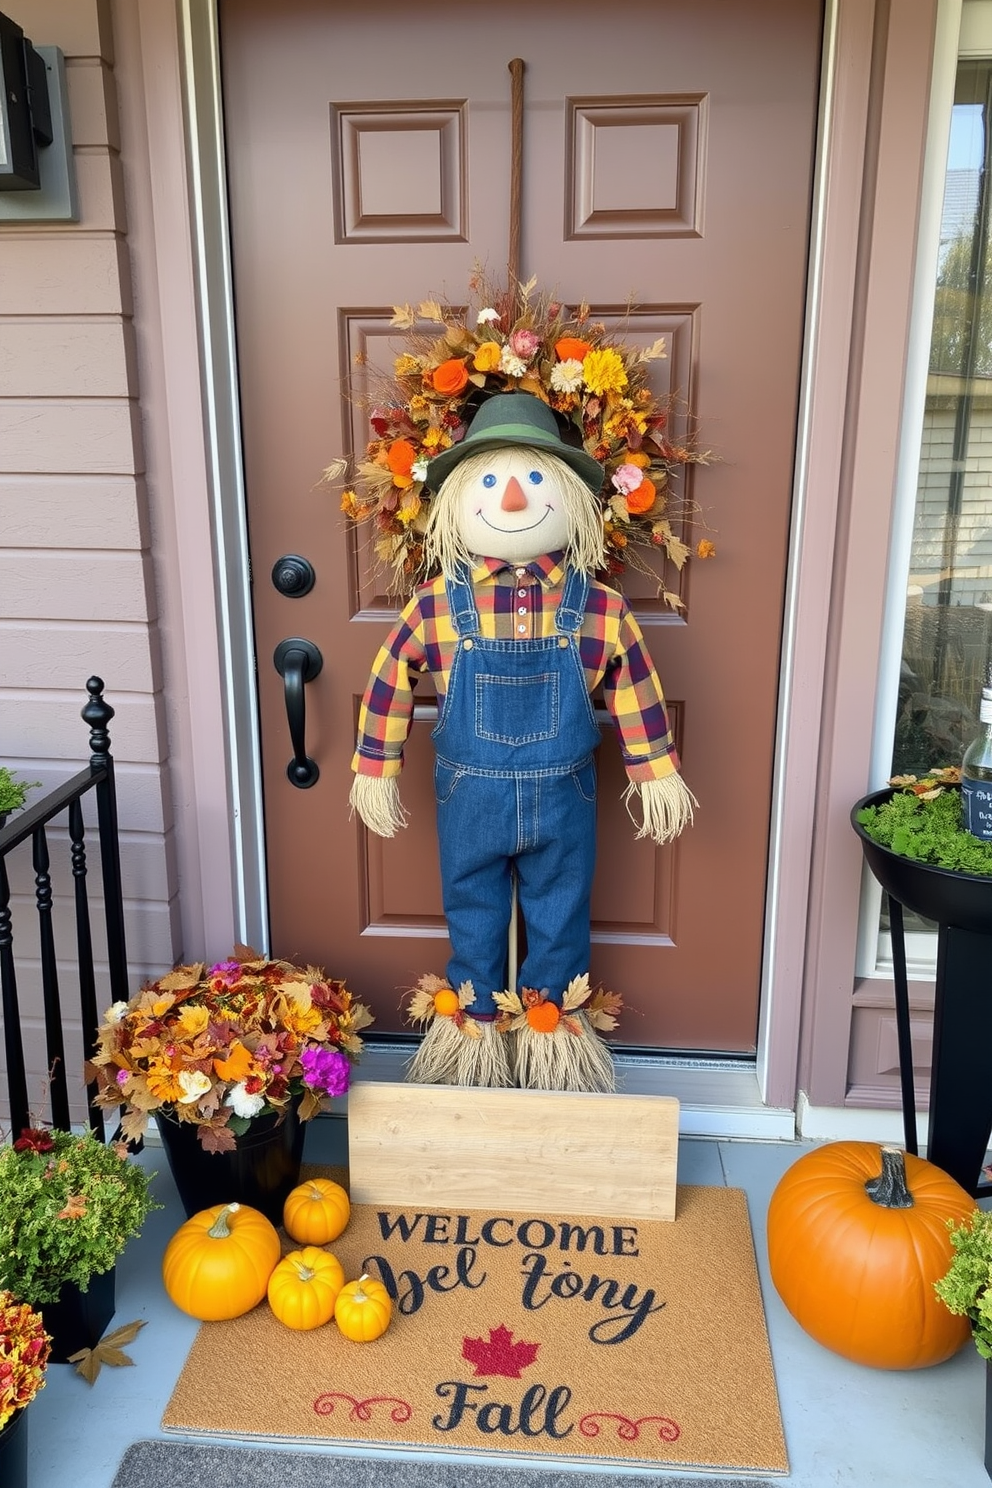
24 1351
68 1206
218 1045
519 340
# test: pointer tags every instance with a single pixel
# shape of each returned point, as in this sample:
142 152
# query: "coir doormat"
535 1335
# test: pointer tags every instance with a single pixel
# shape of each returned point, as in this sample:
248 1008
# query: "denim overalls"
516 786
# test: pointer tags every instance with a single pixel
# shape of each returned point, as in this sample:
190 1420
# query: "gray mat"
160 1464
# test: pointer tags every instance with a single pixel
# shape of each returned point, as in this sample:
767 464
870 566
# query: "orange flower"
450 377
237 1064
487 357
571 349
704 548
638 458
400 457
641 499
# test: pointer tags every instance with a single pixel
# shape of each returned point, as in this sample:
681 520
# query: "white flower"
419 470
242 1103
511 364
195 1083
487 317
566 377
116 1012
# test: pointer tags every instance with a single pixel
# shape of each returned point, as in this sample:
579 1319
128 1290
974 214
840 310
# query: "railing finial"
97 713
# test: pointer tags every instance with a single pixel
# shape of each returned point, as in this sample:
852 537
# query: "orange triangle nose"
513 497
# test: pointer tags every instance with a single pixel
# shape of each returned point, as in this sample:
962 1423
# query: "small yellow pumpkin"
316 1211
217 1265
304 1287
363 1309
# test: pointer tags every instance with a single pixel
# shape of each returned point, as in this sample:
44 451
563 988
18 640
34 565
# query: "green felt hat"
507 419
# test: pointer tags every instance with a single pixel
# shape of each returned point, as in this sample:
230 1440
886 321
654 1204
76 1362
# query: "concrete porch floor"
845 1426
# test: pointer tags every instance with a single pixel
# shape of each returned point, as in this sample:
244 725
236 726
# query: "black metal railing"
33 824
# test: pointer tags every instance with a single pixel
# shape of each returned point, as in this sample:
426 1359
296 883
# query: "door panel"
667 163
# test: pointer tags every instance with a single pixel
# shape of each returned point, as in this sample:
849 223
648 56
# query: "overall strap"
461 603
571 611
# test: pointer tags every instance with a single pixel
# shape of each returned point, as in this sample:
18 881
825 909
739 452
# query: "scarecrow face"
510 510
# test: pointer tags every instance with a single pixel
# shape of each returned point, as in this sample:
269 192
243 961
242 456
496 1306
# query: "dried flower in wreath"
596 383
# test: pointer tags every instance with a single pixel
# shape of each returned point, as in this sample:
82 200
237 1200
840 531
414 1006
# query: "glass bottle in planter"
976 775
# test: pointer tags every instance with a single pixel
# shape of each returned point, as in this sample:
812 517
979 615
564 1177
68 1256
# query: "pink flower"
627 478
326 1070
525 343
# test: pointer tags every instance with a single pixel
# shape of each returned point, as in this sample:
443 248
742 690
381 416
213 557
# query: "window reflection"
947 645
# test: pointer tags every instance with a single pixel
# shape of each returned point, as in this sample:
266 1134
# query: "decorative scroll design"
628 1430
361 1410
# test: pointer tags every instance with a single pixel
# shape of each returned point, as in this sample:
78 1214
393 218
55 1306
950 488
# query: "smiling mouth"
529 528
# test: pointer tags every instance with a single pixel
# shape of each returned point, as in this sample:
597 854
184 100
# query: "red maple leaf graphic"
500 1355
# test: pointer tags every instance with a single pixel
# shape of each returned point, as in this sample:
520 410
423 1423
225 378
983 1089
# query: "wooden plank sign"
451 1147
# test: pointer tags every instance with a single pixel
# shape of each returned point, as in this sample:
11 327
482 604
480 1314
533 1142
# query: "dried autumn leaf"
469 1027
182 978
218 1139
420 1008
672 600
404 317
431 310
134 1124
576 993
654 351
466 994
88 1362
309 1105
508 1002
334 471
360 1016
677 551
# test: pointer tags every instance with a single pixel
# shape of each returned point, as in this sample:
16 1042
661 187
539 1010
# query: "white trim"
853 1124
717 1098
788 784
225 476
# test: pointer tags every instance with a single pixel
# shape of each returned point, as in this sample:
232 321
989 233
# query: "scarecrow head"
513 489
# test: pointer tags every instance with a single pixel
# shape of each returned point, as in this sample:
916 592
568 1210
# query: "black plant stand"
960 1085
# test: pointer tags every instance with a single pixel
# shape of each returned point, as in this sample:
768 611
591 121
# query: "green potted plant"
68 1206
13 792
966 1289
915 845
24 1353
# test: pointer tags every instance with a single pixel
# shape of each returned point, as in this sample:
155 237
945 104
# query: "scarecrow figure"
516 635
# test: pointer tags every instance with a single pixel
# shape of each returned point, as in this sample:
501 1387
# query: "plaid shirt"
517 604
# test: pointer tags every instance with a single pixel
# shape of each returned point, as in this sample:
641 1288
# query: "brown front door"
667 159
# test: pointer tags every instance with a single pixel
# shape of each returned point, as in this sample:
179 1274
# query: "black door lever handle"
298 661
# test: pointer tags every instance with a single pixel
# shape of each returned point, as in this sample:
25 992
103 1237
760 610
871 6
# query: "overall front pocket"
516 710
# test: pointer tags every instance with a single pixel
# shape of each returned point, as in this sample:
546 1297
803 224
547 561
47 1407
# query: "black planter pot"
941 894
14 1451
960 1089
261 1172
78 1320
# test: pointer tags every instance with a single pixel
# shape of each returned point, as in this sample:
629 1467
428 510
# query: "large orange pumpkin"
857 1235
217 1265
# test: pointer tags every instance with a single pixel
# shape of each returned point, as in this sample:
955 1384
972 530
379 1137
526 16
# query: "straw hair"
444 546
666 805
376 799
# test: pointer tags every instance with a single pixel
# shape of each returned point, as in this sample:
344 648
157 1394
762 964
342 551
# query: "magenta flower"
229 972
326 1071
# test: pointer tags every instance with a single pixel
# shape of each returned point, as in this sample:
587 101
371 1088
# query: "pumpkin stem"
220 1229
889 1189
358 1295
305 1273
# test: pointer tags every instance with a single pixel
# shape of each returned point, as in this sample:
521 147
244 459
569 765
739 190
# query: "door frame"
182 127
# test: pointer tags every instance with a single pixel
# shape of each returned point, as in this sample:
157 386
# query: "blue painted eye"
489 480
535 477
